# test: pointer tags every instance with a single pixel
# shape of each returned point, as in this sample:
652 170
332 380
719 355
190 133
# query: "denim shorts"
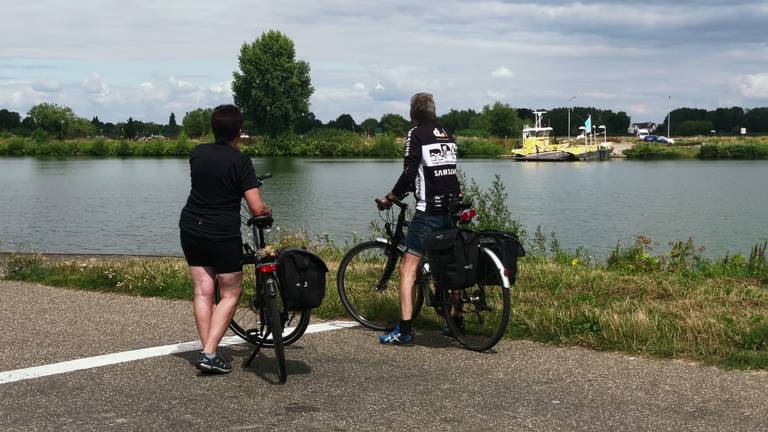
421 225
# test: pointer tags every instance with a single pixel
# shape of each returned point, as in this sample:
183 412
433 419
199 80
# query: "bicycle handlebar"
383 206
264 177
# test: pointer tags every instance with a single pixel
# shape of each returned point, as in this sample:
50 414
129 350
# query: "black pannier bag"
302 278
507 248
453 256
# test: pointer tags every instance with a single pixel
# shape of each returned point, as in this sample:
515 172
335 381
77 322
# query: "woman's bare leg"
229 287
203 283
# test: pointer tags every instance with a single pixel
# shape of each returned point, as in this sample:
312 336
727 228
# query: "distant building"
649 127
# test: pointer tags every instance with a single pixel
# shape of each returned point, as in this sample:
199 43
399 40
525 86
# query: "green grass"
677 305
734 151
712 148
650 151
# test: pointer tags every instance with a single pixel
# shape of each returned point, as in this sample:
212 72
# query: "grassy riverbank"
322 143
738 148
675 305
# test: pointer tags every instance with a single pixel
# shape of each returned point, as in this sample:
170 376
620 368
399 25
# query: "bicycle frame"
396 239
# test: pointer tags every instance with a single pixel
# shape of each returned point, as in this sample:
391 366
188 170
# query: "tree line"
723 121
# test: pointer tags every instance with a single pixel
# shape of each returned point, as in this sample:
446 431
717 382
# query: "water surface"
131 206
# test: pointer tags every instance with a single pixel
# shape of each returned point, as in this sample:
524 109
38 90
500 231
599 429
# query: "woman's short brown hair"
422 108
226 122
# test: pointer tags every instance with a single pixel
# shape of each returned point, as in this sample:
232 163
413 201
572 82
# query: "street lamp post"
669 115
570 105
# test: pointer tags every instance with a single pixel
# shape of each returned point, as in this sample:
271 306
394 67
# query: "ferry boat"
536 146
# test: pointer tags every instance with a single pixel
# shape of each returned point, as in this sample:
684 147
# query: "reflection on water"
132 205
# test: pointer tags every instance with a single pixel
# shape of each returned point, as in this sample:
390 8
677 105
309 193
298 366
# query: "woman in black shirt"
210 229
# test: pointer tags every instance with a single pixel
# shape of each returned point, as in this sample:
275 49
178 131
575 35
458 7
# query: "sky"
146 59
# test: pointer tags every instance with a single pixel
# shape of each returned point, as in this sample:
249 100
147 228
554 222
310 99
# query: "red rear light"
268 268
467 215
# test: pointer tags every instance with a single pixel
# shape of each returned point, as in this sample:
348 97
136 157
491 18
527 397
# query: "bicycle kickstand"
256 350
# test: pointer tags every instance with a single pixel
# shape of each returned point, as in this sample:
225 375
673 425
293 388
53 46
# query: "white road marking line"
139 354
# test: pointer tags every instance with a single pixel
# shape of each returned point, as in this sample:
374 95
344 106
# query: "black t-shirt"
220 176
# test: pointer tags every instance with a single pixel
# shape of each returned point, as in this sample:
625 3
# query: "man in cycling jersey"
429 171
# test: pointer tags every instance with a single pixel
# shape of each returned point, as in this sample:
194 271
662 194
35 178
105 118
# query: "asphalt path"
340 380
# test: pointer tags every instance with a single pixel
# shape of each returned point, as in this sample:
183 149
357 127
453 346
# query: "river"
131 206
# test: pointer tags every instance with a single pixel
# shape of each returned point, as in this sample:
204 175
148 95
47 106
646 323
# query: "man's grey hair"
422 108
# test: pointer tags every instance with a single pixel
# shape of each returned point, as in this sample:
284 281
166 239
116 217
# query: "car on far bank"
659 139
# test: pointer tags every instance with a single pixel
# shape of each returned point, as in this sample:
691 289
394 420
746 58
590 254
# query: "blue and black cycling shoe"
215 365
200 360
395 337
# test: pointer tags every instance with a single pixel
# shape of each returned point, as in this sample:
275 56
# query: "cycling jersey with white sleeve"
429 168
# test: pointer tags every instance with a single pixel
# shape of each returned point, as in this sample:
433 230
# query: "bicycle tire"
247 322
359 273
482 329
275 328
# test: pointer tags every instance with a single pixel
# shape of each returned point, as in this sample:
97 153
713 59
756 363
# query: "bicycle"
262 317
369 269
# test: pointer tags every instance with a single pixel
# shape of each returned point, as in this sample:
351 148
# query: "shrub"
493 213
386 146
734 151
478 147
15 147
654 151
98 148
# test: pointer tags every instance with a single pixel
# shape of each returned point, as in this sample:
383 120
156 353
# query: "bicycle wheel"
485 308
248 321
368 281
276 330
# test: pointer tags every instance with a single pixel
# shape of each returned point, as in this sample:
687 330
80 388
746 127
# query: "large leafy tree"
455 121
394 124
9 120
197 123
502 120
369 124
757 120
344 122
272 87
307 123
59 121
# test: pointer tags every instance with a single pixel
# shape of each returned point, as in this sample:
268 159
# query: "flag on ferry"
588 124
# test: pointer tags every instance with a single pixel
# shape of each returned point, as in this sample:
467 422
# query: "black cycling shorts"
225 256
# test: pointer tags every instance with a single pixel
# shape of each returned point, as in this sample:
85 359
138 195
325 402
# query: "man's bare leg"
408 271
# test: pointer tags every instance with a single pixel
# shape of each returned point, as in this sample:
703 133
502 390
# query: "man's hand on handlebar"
385 202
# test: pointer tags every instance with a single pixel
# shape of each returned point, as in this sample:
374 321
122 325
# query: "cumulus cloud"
755 86
614 54
46 85
503 72
93 84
